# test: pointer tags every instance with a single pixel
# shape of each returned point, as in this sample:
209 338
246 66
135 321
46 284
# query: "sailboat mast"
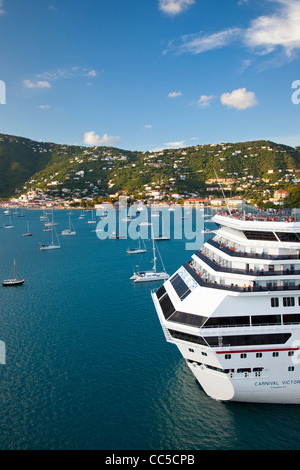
153 246
15 269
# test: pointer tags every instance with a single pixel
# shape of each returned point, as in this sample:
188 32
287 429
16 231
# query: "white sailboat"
162 237
27 234
137 251
10 224
52 246
43 218
15 281
153 275
70 230
92 221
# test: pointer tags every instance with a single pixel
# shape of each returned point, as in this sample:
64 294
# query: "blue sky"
150 74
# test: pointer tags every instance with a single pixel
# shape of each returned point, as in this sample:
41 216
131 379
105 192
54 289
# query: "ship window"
249 340
187 319
260 235
166 306
275 302
160 292
180 286
227 356
288 237
243 370
203 353
227 321
258 354
243 356
288 301
275 354
187 337
291 318
266 320
191 350
291 353
291 368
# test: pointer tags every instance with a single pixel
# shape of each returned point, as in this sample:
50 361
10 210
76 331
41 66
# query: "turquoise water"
87 364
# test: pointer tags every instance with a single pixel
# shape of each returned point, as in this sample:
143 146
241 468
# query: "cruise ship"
233 309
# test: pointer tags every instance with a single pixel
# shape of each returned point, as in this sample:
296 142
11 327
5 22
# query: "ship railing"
248 272
244 254
235 288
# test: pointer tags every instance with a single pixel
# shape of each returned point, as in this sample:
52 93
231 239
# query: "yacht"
153 274
70 230
13 282
137 251
52 245
233 308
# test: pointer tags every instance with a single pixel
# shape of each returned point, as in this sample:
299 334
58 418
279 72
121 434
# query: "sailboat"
27 234
43 218
162 237
52 246
70 230
92 221
137 251
13 282
10 225
153 275
21 213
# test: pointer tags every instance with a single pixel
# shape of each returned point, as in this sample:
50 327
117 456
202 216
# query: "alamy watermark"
2 353
296 94
2 92
137 221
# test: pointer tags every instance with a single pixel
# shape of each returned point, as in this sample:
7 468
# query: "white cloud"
174 94
198 43
67 74
264 34
278 30
174 7
90 138
204 101
39 84
148 126
52 7
239 99
175 144
2 11
92 73
44 106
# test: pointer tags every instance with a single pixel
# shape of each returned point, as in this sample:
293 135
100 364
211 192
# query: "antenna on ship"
228 208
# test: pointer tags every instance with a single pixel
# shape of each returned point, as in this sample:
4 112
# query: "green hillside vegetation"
251 168
19 160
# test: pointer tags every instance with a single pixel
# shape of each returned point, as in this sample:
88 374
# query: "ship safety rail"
250 272
243 254
234 287
278 216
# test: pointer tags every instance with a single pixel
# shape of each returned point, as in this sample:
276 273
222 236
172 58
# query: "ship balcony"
246 272
243 254
255 287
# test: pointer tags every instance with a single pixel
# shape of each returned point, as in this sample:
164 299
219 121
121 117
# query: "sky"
150 74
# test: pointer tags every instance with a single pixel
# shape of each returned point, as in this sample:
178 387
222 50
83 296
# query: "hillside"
77 171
